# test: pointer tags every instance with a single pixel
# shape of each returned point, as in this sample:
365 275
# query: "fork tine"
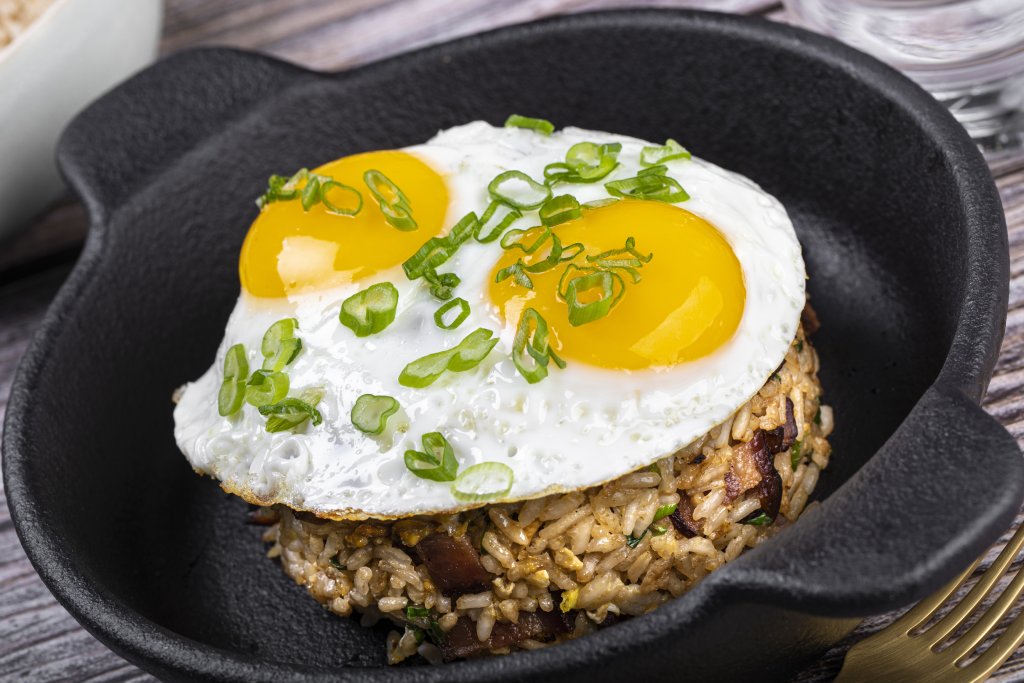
922 611
949 623
989 620
999 651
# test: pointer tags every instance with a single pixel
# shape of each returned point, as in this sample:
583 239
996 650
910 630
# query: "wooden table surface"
39 641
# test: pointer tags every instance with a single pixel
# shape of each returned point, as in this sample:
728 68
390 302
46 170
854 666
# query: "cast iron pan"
905 244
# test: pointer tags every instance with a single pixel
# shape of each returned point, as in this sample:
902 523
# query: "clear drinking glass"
968 53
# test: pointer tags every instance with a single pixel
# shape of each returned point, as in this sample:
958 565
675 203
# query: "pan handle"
118 143
943 488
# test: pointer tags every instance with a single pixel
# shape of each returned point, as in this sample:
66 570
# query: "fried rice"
550 569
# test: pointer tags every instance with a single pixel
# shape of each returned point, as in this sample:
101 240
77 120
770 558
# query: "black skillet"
905 245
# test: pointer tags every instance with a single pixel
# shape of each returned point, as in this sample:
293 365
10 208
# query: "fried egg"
704 327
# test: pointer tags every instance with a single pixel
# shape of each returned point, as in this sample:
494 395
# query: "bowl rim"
966 368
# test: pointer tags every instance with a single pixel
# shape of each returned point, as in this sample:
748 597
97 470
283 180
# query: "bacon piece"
453 564
732 486
769 490
461 640
782 437
809 318
682 518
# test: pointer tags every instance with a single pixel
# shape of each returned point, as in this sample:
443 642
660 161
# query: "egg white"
578 427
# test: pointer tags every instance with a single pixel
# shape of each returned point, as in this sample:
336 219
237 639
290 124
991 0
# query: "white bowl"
71 54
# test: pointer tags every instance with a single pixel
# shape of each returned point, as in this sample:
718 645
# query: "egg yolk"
289 250
687 303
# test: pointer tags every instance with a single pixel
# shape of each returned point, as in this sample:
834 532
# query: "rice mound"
580 560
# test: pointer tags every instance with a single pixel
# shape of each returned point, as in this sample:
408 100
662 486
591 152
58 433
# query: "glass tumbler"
969 54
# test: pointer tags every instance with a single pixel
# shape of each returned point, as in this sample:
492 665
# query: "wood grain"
39 640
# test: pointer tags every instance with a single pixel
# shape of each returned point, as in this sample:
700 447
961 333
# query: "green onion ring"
436 461
530 195
560 209
458 320
650 156
542 126
371 310
266 387
483 481
370 413
334 208
581 312
510 217
473 348
289 413
531 341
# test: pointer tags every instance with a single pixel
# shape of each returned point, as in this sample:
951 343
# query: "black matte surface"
904 241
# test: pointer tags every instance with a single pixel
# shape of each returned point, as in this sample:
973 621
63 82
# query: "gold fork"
903 651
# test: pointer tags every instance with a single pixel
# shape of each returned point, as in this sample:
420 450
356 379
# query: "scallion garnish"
592 295
796 454
514 239
281 188
627 258
652 186
542 126
280 346
436 250
585 162
761 519
817 417
483 481
292 412
473 348
441 284
370 310
337 196
436 461
393 203
266 387
457 320
518 190
310 195
531 342
634 541
502 216
665 511
370 413
650 156
657 529
599 203
416 612
232 389
560 209
516 271
660 169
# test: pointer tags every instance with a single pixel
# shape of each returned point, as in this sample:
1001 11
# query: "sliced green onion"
310 196
657 529
280 346
660 169
760 519
542 126
585 162
503 215
232 389
517 271
461 232
634 541
266 387
399 216
518 190
531 342
435 462
337 205
665 511
370 413
583 307
652 186
600 203
290 413
796 454
513 239
627 258
431 255
370 310
484 481
395 206
817 417
560 209
441 284
416 612
277 191
555 256
458 320
473 348
650 156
